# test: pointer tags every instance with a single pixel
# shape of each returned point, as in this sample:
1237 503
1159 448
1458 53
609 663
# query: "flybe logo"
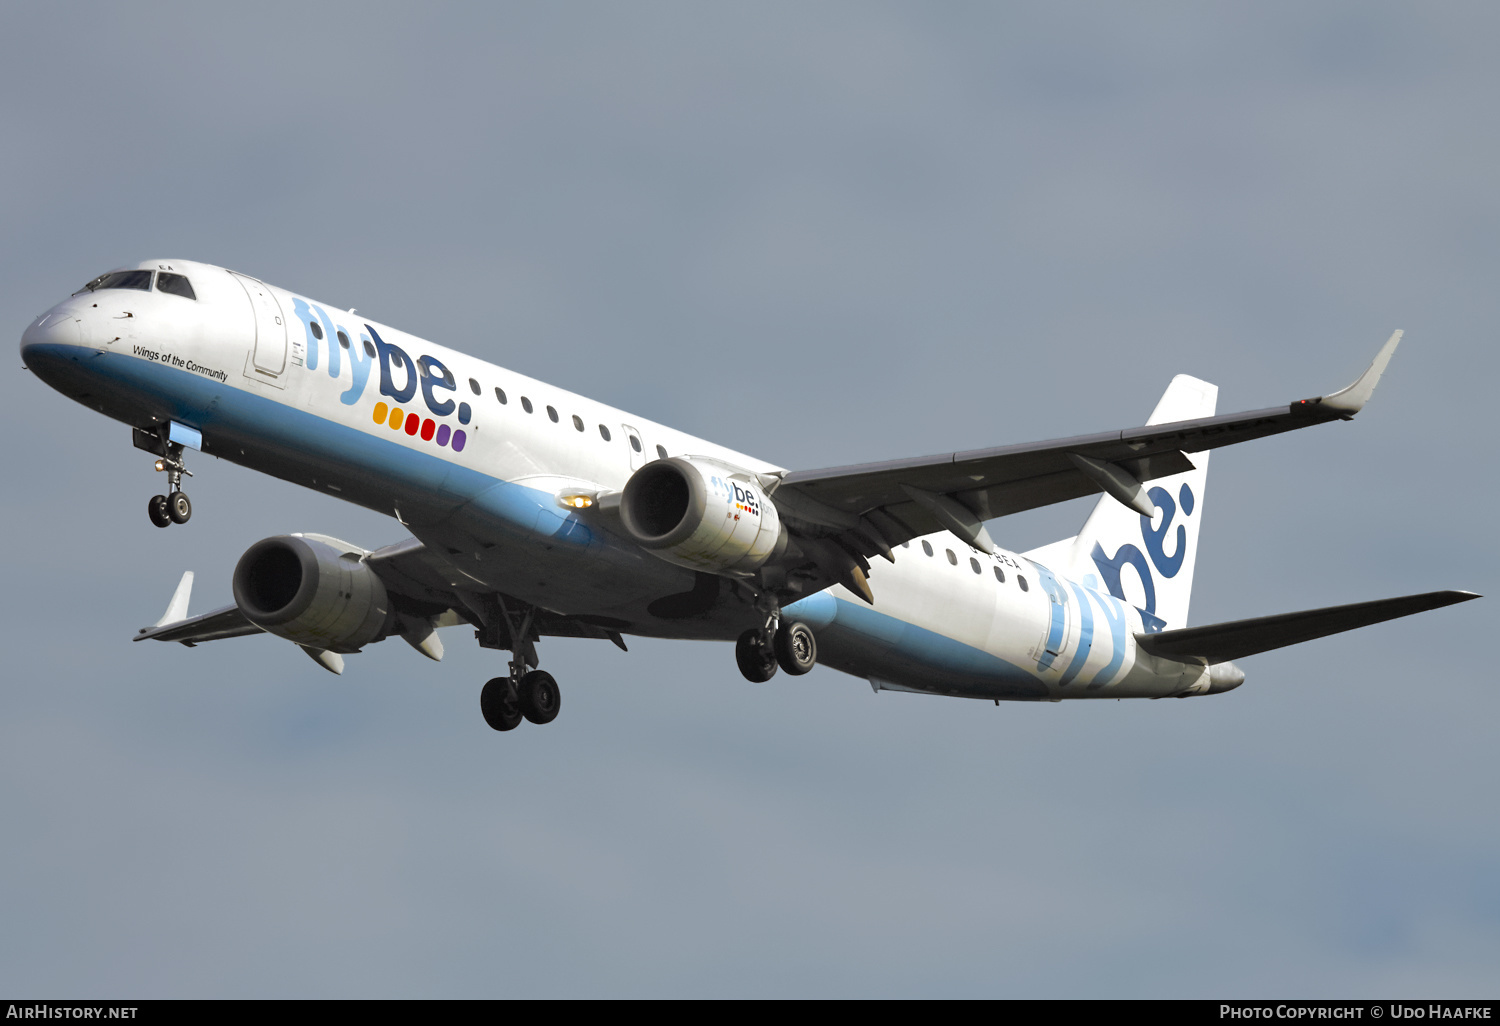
1154 539
743 496
400 377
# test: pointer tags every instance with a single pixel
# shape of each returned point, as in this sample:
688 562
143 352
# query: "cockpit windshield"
140 280
175 284
166 281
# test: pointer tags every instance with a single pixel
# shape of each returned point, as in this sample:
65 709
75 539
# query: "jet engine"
312 590
702 514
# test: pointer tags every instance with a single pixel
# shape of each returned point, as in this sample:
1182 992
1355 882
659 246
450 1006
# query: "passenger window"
178 285
1022 582
635 443
369 348
552 413
343 340
474 386
525 404
604 432
999 575
500 394
927 548
661 452
317 330
952 558
578 422
975 564
906 545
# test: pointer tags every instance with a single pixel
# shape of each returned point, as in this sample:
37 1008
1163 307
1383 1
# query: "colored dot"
442 435
428 427
381 409
396 416
413 424
459 438
1185 499
464 413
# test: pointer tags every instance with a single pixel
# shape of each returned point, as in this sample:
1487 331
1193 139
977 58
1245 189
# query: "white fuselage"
263 374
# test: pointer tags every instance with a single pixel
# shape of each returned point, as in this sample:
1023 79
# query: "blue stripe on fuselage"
299 446
1085 634
868 643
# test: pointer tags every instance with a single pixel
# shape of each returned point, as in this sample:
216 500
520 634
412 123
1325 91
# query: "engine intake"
703 514
312 590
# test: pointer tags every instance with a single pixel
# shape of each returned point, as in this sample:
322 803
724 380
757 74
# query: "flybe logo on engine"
742 495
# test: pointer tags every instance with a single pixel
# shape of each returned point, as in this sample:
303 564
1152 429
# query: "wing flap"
1221 642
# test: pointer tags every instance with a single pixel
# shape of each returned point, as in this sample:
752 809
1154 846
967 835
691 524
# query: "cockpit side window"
175 284
140 280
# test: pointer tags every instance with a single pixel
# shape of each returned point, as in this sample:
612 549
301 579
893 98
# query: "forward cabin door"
268 357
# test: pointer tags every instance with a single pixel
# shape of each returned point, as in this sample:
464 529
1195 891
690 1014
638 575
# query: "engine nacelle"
703 514
313 590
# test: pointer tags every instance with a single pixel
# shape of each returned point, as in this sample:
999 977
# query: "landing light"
161 464
575 501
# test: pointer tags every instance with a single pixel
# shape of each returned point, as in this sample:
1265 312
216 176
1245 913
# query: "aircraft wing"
422 574
228 622
424 588
866 509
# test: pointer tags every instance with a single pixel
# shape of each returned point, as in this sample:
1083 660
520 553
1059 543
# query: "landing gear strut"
526 693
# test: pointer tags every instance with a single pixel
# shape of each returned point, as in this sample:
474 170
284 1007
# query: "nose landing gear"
174 507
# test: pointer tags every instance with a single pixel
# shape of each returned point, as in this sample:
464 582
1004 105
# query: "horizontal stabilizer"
1220 642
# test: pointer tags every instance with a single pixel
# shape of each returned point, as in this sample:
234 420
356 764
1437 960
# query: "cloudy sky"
821 233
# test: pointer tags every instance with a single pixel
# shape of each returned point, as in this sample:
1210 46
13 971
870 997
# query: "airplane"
533 512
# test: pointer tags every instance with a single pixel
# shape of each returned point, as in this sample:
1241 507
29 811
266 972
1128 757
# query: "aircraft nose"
53 328
1224 677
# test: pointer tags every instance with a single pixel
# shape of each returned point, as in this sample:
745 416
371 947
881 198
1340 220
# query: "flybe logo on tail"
1154 539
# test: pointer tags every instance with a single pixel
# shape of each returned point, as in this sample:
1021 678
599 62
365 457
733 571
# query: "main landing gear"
791 646
526 693
535 696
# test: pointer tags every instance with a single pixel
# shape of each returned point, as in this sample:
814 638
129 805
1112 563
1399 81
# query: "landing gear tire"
156 509
796 648
756 658
179 508
500 705
539 696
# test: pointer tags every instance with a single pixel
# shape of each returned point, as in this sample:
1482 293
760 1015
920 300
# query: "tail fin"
1147 561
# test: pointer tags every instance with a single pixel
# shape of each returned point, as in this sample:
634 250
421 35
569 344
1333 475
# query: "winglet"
1351 400
178 607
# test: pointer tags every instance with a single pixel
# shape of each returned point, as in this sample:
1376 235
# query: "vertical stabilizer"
1147 561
